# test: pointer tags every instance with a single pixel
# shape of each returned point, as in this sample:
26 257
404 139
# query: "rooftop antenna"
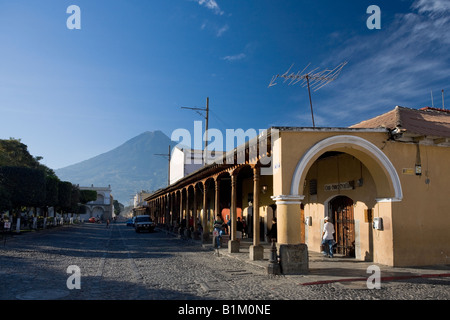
443 106
168 157
314 79
206 116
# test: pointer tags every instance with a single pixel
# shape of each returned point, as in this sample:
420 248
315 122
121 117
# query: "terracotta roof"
426 121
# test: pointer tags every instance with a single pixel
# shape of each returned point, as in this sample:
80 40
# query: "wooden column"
181 206
205 237
256 251
233 244
194 209
187 233
216 198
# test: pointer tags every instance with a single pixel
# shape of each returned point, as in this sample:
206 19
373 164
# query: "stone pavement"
120 264
339 269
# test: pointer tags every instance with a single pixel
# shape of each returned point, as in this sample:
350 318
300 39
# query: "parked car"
93 220
130 222
144 223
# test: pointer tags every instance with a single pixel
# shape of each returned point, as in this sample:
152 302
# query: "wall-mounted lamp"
264 189
418 170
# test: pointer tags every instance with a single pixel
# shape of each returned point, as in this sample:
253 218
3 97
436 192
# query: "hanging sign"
349 185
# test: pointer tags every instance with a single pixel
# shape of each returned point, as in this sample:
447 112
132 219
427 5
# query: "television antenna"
314 79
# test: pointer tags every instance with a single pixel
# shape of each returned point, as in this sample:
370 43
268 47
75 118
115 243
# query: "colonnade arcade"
191 204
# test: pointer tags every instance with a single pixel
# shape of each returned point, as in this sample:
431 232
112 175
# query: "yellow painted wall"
421 221
415 229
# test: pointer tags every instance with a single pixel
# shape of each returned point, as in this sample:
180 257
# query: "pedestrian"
328 238
239 229
245 228
107 223
218 230
228 227
272 234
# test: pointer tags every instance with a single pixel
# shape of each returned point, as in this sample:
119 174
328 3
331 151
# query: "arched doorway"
341 211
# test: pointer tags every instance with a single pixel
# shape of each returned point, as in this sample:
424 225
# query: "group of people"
241 228
328 241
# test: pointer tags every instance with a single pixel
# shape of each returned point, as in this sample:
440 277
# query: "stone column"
293 254
233 244
256 250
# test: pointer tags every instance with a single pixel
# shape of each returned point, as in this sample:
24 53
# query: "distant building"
183 162
101 208
139 203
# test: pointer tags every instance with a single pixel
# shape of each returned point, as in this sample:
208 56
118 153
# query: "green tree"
87 196
25 186
118 207
51 194
64 196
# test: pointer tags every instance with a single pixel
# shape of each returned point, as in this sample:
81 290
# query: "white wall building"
101 208
183 162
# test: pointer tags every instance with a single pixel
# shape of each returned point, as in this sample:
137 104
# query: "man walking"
328 238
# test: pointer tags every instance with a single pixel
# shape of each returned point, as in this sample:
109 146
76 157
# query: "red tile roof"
426 121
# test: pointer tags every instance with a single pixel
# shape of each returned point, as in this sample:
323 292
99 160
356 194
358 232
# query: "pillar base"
256 252
274 268
293 258
233 246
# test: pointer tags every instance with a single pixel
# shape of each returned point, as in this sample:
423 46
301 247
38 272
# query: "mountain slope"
129 168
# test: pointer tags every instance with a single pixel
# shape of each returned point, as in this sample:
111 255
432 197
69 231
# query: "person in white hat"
328 238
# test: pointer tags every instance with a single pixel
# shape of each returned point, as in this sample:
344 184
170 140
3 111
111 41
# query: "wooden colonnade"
171 205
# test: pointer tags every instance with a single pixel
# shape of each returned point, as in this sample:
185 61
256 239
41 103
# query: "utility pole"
168 166
197 109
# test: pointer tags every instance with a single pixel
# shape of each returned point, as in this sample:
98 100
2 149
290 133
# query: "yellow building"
384 183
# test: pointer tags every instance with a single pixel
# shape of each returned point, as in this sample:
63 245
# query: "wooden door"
344 225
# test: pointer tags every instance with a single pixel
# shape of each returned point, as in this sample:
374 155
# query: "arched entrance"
381 168
340 210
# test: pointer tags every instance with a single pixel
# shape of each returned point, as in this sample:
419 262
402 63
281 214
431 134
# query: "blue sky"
73 94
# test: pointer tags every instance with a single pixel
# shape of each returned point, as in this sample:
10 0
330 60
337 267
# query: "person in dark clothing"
272 234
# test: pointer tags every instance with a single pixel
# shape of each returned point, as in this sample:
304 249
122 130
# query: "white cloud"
210 4
432 6
222 30
397 65
235 57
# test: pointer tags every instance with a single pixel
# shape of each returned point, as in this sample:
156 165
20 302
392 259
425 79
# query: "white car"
144 223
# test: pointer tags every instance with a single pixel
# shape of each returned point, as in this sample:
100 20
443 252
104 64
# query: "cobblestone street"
117 263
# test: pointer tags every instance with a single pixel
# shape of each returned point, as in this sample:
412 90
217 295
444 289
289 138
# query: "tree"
118 207
51 193
64 196
87 196
25 186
